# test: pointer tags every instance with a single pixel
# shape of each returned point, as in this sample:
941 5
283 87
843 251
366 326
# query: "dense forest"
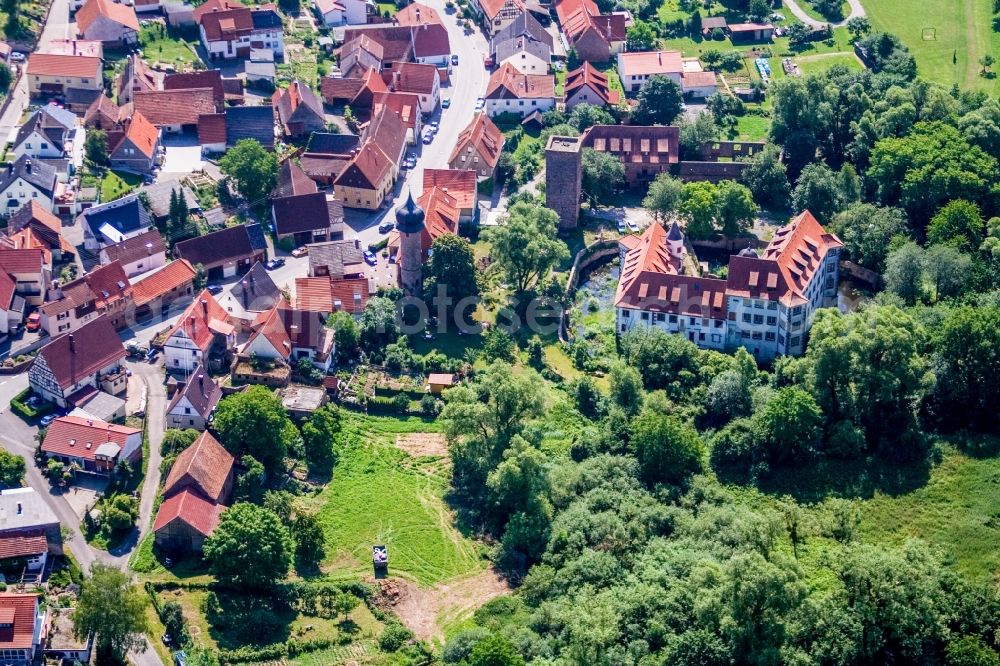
706 510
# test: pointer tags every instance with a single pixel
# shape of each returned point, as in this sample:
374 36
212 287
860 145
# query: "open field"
947 37
158 46
379 494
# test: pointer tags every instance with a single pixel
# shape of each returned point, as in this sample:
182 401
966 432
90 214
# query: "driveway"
183 155
856 10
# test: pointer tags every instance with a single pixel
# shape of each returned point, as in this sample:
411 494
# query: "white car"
480 103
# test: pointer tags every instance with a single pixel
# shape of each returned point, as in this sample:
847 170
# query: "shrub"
393 637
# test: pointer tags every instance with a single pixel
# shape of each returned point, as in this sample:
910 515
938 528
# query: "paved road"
856 10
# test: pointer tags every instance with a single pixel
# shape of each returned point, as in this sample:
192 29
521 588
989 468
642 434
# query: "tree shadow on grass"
849 479
249 620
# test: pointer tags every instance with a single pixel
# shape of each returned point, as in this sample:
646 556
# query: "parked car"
46 420
445 103
454 59
180 659
385 227
370 258
34 322
151 355
409 162
214 289
17 56
621 226
434 126
274 264
428 137
480 103
300 251
487 62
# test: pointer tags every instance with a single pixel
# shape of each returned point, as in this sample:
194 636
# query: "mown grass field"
158 46
117 184
381 495
947 37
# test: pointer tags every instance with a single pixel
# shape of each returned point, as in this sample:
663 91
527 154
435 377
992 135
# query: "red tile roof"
321 294
215 6
119 13
589 76
211 128
431 40
23 545
203 467
206 78
417 14
405 105
135 248
141 133
18 612
411 77
271 326
77 437
649 63
7 289
162 281
492 7
174 107
47 64
227 25
201 318
190 508
483 137
635 144
508 83
21 261
459 183
90 348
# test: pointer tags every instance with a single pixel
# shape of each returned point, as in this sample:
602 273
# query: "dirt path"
972 40
427 612
856 10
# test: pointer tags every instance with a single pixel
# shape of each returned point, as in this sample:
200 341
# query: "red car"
34 322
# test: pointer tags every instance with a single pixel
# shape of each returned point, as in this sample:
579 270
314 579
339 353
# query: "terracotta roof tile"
492 7
19 611
508 83
417 14
323 293
141 133
190 508
198 321
483 137
47 64
119 13
207 78
203 394
591 77
78 437
650 62
174 107
23 545
459 183
135 248
162 281
410 77
211 128
204 466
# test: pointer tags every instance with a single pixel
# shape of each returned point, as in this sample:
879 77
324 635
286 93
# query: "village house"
596 37
358 93
250 122
203 333
229 29
12 306
136 147
34 227
371 173
154 292
226 252
85 360
497 14
193 405
73 77
406 106
136 76
108 22
51 132
29 529
417 79
308 218
105 291
22 628
460 184
138 254
91 445
85 47
588 85
766 303
324 295
29 272
478 147
536 44
635 69
114 222
103 114
337 259
223 89
645 152
327 155
334 13
175 111
699 84
27 179
509 91
252 294
299 111
381 42
197 487
431 45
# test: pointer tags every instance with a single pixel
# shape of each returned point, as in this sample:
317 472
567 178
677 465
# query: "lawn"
117 184
381 495
752 128
947 37
821 63
808 8
159 46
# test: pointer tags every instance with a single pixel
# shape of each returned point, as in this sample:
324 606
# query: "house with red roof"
326 295
496 15
108 22
136 146
766 303
203 333
92 445
510 91
418 79
478 147
22 628
370 175
229 29
157 290
441 216
138 254
459 184
104 291
299 110
193 405
589 85
73 366
77 78
341 12
197 487
175 110
45 229
28 269
635 69
430 38
595 36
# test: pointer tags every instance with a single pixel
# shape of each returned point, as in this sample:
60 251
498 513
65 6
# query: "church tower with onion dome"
410 225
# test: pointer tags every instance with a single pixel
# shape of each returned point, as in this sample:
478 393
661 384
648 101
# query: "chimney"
204 306
201 382
55 291
20 509
27 166
72 344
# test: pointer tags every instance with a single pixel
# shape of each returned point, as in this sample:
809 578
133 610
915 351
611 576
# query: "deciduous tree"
253 169
659 102
602 173
113 610
527 246
254 422
250 548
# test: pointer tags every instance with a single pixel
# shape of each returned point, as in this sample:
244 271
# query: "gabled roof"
7 289
459 183
293 180
78 437
23 545
212 128
101 287
93 48
227 25
205 465
406 106
36 172
202 319
417 14
41 220
22 260
215 6
229 244
206 78
266 17
588 76
203 394
270 326
250 122
18 611
508 83
336 258
295 100
305 212
191 509
431 40
50 121
77 66
332 144
396 41
255 291
516 47
383 143
523 24
483 137
306 329
174 107
135 248
323 294
102 113
649 63
140 133
492 7
162 281
126 215
412 77
119 13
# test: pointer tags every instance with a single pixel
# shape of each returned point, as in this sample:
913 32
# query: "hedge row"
20 406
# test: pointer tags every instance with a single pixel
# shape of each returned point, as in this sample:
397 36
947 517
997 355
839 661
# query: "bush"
19 404
430 406
393 637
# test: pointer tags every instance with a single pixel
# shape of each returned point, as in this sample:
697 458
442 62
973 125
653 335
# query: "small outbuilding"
439 381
